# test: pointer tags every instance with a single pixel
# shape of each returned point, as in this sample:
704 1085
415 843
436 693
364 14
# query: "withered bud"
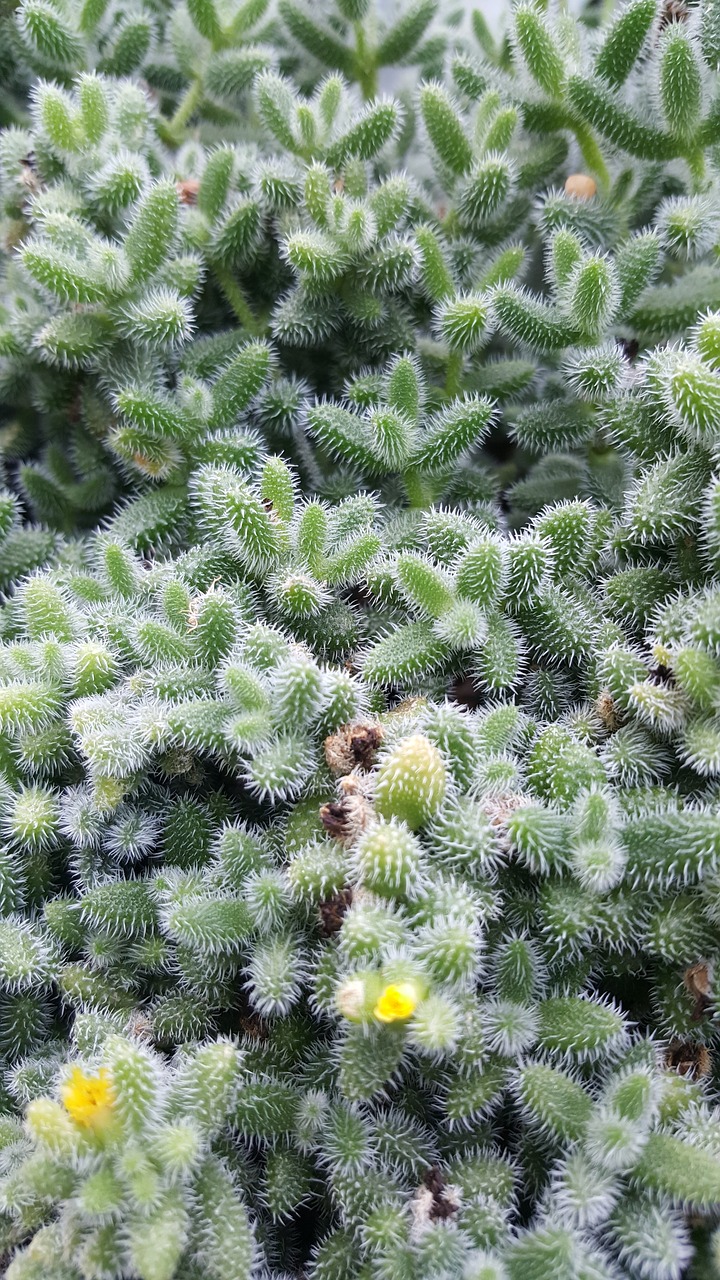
446 1200
333 911
187 190
140 1026
352 813
608 711
698 983
353 746
673 11
254 1027
688 1058
498 809
435 1200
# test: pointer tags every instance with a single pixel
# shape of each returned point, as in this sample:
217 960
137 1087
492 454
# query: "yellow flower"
88 1099
397 1002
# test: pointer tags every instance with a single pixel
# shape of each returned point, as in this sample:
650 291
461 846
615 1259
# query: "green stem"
366 69
418 491
451 223
453 376
592 154
186 108
696 165
237 300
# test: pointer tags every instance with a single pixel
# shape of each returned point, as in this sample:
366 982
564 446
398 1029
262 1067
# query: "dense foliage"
360 642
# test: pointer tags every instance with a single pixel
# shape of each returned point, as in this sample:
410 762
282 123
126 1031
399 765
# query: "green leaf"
453 431
434 270
316 39
205 18
554 1100
400 40
126 52
624 41
62 273
680 83
689 1175
152 233
585 1029
445 128
215 182
239 383
48 35
619 125
367 134
406 655
539 50
276 106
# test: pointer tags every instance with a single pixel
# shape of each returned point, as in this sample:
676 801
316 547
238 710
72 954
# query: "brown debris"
688 1058
333 912
344 819
187 190
698 984
29 177
353 746
608 711
498 809
335 819
254 1027
352 813
444 1199
140 1026
673 11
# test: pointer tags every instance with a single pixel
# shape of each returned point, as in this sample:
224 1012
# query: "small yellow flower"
397 1002
88 1099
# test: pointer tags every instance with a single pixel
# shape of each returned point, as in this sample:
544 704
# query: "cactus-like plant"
359 642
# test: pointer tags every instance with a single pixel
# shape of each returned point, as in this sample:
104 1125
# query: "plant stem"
696 165
592 154
186 107
238 302
366 69
418 492
453 376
